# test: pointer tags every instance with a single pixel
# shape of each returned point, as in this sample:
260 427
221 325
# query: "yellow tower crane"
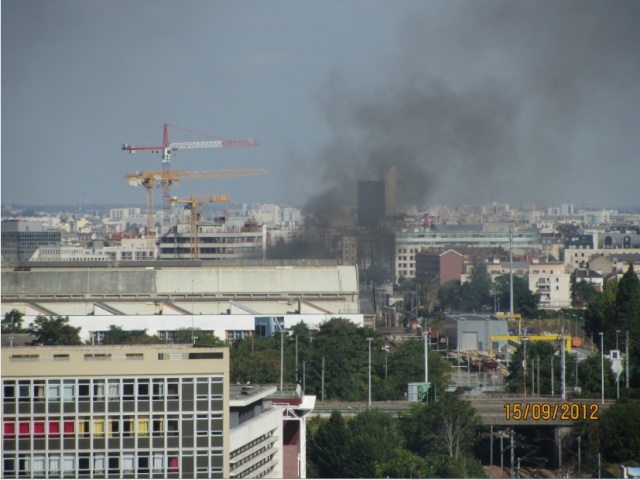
193 204
166 178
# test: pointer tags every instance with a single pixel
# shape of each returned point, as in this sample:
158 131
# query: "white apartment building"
552 283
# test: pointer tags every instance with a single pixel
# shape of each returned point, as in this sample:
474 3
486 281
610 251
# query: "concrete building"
215 242
21 238
255 444
371 203
390 190
440 266
202 287
473 332
407 244
152 411
552 283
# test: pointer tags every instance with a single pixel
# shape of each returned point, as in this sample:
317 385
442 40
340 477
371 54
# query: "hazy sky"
510 101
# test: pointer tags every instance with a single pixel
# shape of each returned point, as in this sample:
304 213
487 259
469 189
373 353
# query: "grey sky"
510 101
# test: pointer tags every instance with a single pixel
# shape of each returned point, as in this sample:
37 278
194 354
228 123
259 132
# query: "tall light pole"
510 274
369 340
602 365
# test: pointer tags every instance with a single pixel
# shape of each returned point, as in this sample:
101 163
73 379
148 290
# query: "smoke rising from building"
507 104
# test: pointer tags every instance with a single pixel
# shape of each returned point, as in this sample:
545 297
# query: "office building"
128 411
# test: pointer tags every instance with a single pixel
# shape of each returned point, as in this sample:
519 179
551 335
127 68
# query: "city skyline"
475 102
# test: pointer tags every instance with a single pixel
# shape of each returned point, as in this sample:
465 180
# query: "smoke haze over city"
519 102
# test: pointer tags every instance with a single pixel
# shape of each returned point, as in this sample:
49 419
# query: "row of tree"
434 439
338 353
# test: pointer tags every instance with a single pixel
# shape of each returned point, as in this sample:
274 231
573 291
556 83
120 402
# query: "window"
172 390
24 428
84 425
38 390
54 463
9 391
173 464
127 426
114 427
9 467
69 464
84 464
84 390
69 391
143 426
54 428
143 390
127 390
38 465
98 427
158 390
158 463
98 390
69 428
38 428
128 463
23 393
158 426
143 464
172 426
114 392
98 463
114 465
9 429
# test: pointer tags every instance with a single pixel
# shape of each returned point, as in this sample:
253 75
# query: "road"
506 410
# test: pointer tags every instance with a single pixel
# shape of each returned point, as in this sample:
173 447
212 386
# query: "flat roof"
243 395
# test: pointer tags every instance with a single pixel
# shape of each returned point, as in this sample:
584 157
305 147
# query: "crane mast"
194 204
167 149
167 177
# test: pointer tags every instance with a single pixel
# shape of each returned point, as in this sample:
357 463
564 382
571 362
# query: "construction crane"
168 177
193 204
168 148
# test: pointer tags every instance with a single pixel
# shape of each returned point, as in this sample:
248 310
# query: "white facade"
552 283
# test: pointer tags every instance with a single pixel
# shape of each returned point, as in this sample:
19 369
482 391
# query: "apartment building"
128 411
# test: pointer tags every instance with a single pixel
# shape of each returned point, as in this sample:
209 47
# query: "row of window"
98 464
87 390
111 426
252 444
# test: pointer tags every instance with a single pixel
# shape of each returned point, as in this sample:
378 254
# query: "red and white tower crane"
168 148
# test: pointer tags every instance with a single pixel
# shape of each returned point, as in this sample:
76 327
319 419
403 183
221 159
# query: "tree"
429 296
54 330
445 427
116 335
581 292
620 431
12 322
406 365
185 335
449 295
330 447
372 440
525 302
475 293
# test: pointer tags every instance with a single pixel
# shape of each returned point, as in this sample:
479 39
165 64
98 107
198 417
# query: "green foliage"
185 335
329 448
475 293
620 431
254 360
54 330
581 292
344 348
617 308
406 365
449 295
445 427
116 335
525 302
12 322
590 377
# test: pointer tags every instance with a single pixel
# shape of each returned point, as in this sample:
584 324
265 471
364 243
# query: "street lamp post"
369 402
602 365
